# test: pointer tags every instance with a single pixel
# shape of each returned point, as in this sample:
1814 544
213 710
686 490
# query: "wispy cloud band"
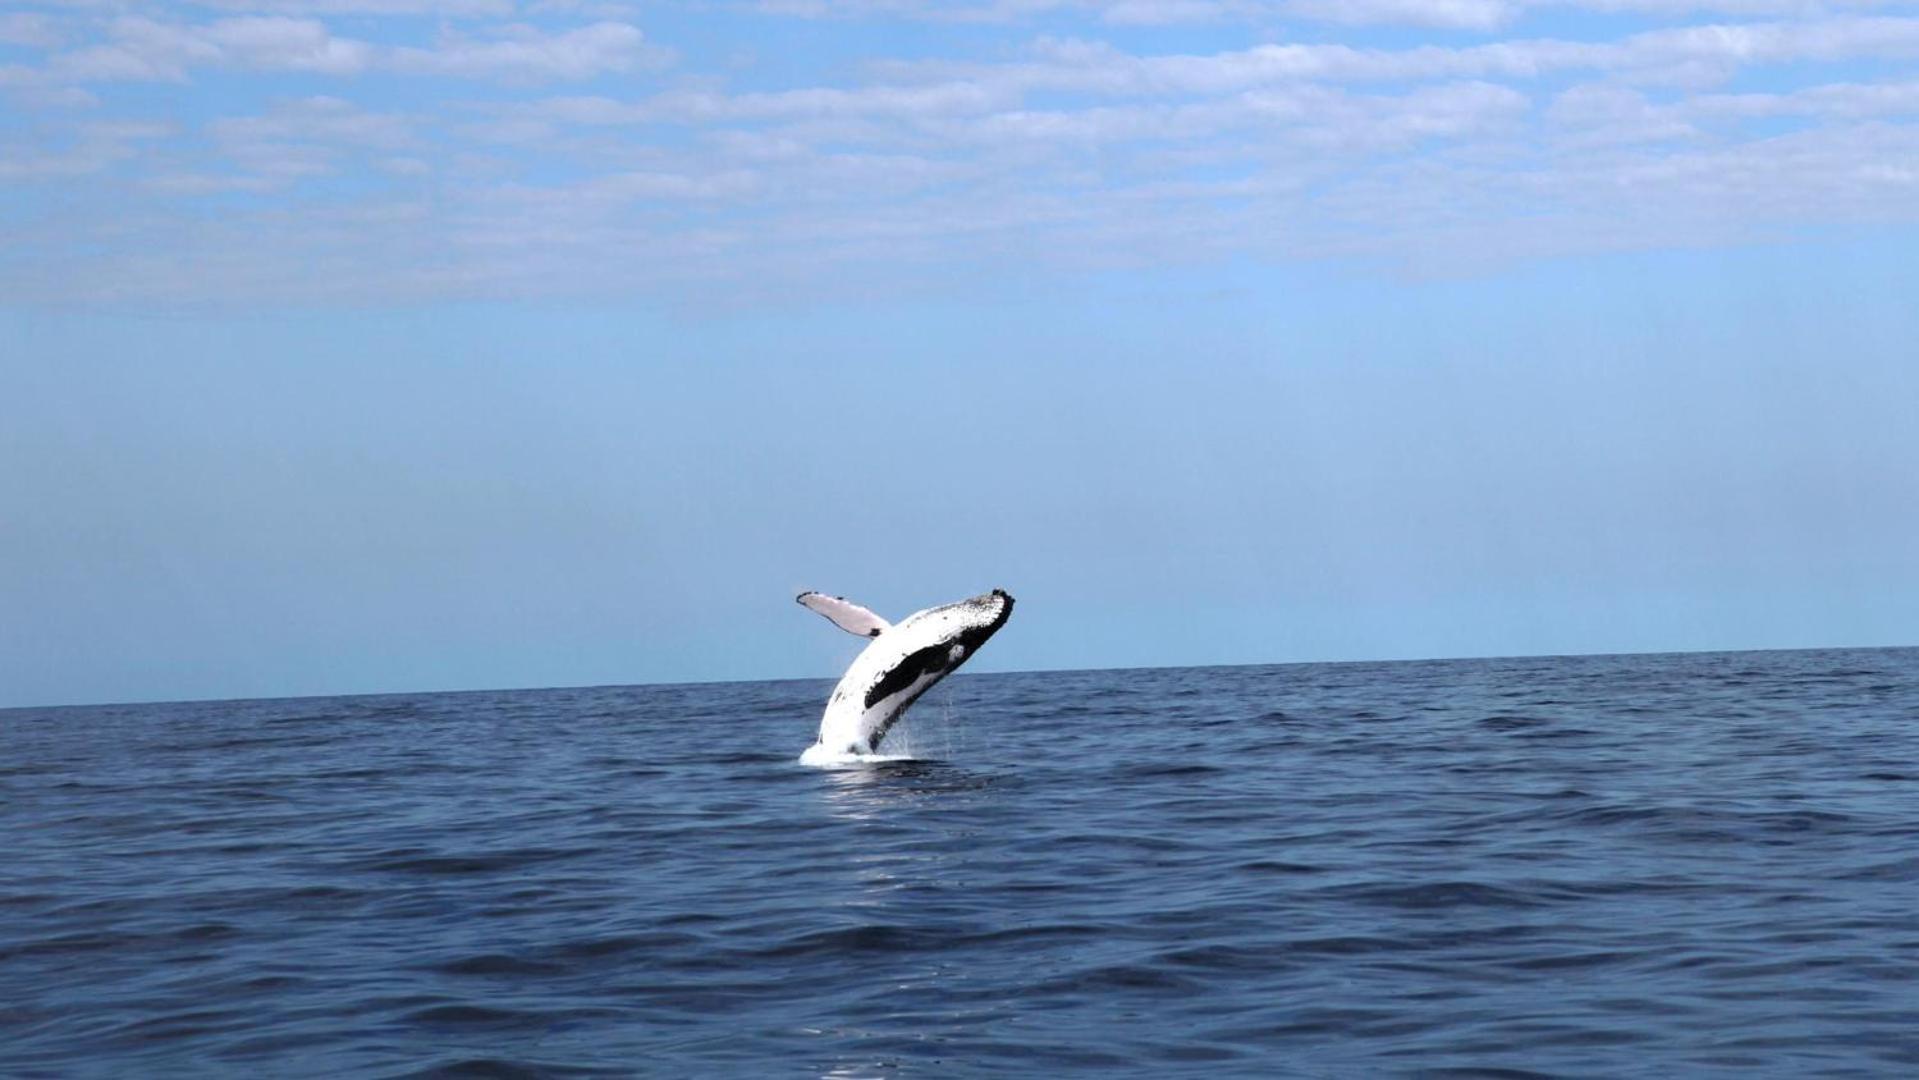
572 153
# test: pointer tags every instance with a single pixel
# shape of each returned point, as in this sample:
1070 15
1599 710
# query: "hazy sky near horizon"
358 345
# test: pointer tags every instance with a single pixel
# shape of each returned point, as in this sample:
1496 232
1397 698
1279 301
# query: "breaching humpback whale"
903 661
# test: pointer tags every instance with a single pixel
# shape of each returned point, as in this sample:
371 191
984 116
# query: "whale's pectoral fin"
845 614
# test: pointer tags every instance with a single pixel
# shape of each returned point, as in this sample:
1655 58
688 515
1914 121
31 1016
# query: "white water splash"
917 737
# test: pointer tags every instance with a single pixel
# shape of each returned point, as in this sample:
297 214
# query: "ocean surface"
1656 866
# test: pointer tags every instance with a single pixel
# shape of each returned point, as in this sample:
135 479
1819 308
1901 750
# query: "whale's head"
979 617
942 639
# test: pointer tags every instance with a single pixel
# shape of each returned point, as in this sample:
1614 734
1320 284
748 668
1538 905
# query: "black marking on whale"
935 657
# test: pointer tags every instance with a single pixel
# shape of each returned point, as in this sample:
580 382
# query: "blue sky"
354 345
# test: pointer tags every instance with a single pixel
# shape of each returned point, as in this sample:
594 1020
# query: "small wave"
854 940
1438 895
624 945
1560 961
70 943
416 861
1276 866
480 1069
1905 868
1182 768
181 1025
762 757
1222 958
497 964
1344 945
1122 978
477 1016
1512 723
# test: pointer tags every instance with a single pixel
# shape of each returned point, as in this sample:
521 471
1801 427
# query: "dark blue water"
1608 866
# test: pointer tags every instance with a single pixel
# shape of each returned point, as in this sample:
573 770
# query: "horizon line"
1024 671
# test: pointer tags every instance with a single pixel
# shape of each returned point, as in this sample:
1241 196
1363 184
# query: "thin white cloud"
29 28
32 92
317 119
1316 116
1171 12
145 50
1717 50
471 9
586 9
1462 15
92 147
201 184
1448 14
1605 113
1835 100
526 54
